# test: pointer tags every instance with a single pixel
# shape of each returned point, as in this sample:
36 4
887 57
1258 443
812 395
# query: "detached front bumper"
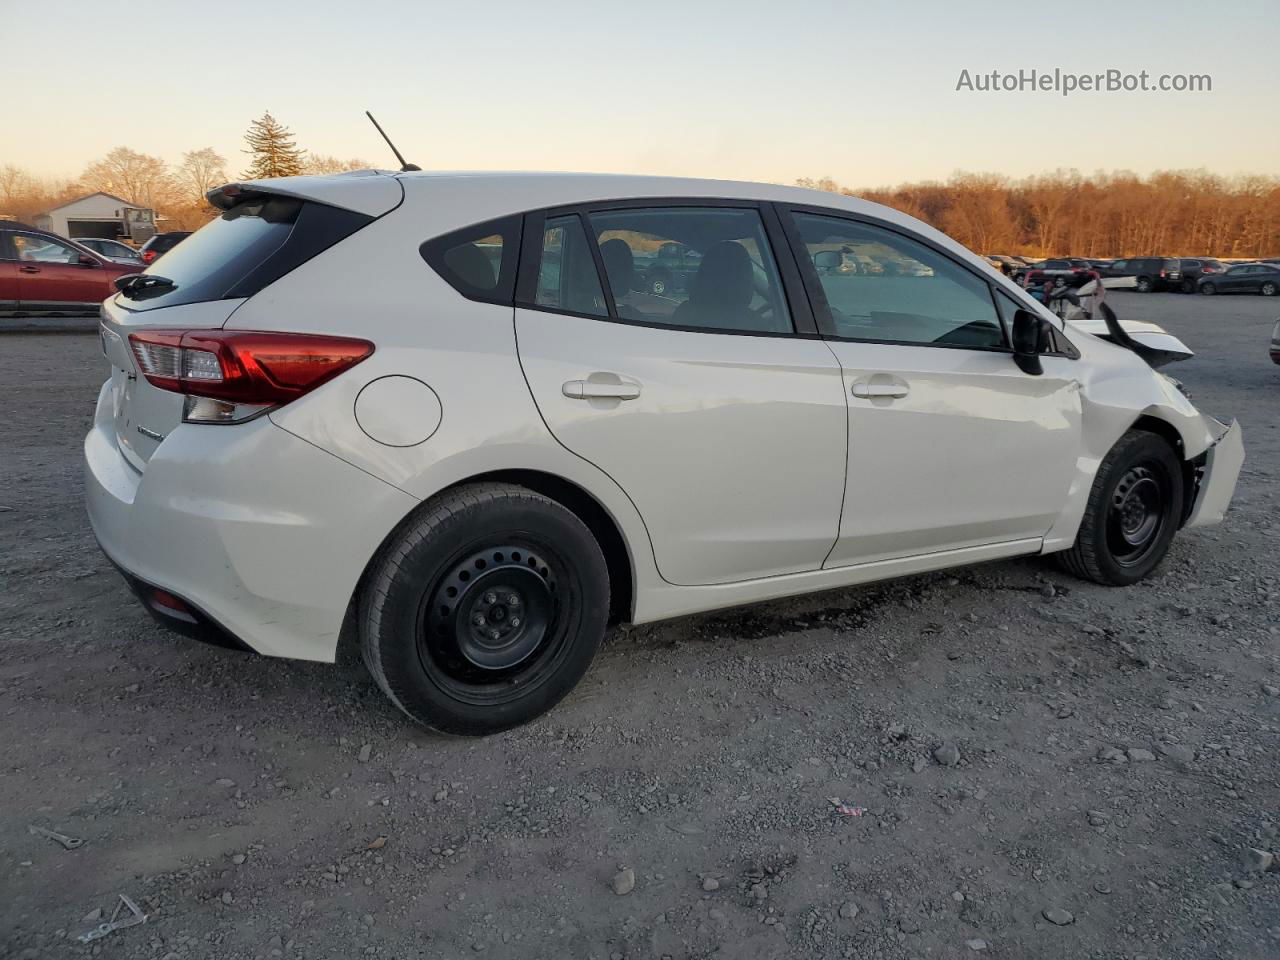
1222 466
242 531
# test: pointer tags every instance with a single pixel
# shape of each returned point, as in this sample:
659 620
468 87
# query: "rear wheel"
1188 286
1144 285
1208 289
1132 513
486 610
1268 289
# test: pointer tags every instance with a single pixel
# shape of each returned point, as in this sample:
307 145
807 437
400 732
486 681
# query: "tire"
1188 286
1144 285
439 629
1138 483
1268 289
1208 289
658 284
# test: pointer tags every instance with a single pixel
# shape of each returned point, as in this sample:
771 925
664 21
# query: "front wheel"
484 611
1132 513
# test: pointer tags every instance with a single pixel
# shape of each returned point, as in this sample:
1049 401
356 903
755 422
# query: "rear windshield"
248 247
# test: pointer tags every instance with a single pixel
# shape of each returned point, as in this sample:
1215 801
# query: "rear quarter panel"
375 285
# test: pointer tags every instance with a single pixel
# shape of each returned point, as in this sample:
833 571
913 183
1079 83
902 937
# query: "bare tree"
319 163
200 171
140 179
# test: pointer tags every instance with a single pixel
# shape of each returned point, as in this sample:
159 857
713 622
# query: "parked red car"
41 272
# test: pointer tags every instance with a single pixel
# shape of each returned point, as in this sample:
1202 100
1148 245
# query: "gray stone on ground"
948 754
1258 861
1058 916
848 910
624 881
1138 755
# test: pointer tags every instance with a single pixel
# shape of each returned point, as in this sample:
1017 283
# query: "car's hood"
1164 346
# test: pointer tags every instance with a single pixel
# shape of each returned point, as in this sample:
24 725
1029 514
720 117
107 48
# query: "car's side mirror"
828 259
87 261
1027 331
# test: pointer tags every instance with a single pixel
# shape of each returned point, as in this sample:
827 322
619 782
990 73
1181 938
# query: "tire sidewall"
1143 448
394 618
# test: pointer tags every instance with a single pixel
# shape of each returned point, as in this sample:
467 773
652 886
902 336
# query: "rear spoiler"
371 192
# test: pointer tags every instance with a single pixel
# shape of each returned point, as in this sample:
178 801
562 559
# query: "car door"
951 445
1235 280
723 424
51 275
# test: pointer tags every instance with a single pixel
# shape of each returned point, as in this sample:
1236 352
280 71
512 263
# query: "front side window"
38 249
567 277
883 286
703 268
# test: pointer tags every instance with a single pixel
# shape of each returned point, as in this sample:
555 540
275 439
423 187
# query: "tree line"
1109 214
176 191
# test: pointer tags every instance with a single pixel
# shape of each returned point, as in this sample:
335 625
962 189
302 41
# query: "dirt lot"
259 808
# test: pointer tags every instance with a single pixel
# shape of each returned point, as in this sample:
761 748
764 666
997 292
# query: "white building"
96 215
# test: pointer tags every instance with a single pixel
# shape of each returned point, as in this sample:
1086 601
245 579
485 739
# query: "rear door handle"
868 391
29 269
595 390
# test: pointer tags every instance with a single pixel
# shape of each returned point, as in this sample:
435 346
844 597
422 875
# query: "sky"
863 92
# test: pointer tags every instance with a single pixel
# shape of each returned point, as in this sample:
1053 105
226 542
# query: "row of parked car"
1206 275
44 273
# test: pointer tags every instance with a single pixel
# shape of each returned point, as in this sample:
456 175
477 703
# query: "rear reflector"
231 375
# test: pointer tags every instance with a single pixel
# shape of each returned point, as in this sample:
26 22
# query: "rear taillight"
229 376
148 256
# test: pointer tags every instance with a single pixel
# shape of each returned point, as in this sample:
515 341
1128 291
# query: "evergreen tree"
272 148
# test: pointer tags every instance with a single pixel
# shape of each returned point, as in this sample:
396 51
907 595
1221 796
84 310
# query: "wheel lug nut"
494 634
478 620
515 621
513 600
490 598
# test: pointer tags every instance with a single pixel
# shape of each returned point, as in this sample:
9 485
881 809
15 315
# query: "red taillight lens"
148 256
246 371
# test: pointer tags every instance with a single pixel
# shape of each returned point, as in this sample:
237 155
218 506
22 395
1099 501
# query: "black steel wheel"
485 609
1132 513
490 625
1137 514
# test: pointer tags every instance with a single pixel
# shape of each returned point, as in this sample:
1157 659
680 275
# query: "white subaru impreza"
478 416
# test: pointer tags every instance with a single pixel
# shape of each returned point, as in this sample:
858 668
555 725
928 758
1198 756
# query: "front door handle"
869 391
29 269
597 390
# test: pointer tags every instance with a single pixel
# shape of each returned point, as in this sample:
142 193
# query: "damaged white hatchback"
475 417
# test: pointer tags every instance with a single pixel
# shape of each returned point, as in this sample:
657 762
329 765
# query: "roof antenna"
404 167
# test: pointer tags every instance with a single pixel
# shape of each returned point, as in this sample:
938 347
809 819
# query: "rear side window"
251 245
700 268
478 261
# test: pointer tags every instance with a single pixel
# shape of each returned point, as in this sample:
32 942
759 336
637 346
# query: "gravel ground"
679 803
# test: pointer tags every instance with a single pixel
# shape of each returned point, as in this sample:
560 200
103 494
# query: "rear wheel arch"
580 502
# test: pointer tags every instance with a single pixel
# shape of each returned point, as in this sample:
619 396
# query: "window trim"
794 296
433 250
822 309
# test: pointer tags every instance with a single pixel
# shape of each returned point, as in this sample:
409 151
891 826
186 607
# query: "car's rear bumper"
260 536
1222 466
